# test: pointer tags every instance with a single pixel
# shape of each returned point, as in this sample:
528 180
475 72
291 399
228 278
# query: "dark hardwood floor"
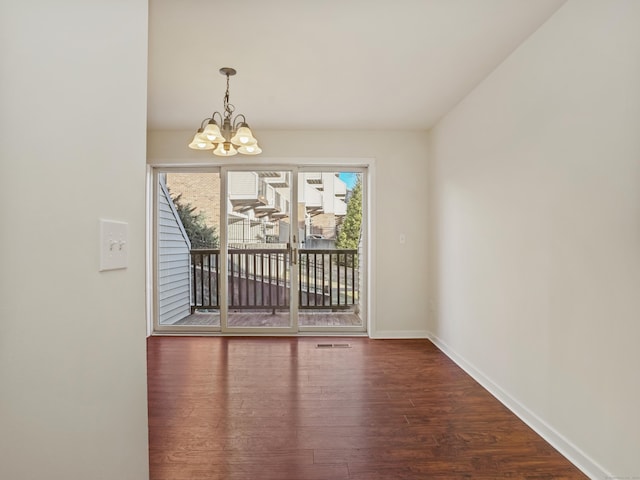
282 409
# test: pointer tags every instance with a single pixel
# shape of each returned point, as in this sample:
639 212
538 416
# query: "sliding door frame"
363 283
366 166
157 327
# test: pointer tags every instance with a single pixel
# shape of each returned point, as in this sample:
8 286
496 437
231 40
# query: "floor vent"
333 345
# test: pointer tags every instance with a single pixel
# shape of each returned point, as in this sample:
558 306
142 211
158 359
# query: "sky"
349 178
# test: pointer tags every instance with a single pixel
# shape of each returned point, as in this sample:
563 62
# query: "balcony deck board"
246 319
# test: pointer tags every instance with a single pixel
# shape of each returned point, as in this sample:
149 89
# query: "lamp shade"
212 132
244 136
250 149
200 142
225 149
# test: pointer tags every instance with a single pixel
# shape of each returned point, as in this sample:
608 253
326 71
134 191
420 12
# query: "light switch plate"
114 246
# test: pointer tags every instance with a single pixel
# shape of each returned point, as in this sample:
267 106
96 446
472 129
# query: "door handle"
294 251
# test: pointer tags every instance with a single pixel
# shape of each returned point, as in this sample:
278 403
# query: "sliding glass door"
261 252
331 260
187 250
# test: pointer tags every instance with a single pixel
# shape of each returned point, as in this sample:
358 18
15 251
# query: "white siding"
271 195
174 296
243 185
309 195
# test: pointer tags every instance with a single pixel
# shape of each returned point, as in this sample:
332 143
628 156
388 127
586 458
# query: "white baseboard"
382 334
576 456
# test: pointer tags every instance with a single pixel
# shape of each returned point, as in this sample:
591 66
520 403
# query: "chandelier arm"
205 121
213 116
236 120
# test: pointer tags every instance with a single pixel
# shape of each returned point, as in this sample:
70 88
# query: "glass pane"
258 264
188 249
331 245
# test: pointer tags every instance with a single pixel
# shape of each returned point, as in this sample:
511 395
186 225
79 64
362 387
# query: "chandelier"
231 135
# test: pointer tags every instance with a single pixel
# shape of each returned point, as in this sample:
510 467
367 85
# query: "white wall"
72 340
399 193
536 214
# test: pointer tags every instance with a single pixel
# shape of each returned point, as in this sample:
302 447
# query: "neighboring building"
259 203
201 190
324 219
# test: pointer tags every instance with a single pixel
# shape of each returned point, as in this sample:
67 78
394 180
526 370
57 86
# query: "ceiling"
328 64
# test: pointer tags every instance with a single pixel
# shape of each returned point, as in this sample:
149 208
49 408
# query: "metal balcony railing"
260 279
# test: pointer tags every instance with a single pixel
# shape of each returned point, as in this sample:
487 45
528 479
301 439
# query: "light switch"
114 247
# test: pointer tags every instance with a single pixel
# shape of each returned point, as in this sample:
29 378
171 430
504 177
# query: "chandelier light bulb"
225 149
204 145
200 142
250 149
212 132
244 136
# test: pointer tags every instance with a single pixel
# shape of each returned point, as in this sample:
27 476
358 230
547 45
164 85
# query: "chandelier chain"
228 107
